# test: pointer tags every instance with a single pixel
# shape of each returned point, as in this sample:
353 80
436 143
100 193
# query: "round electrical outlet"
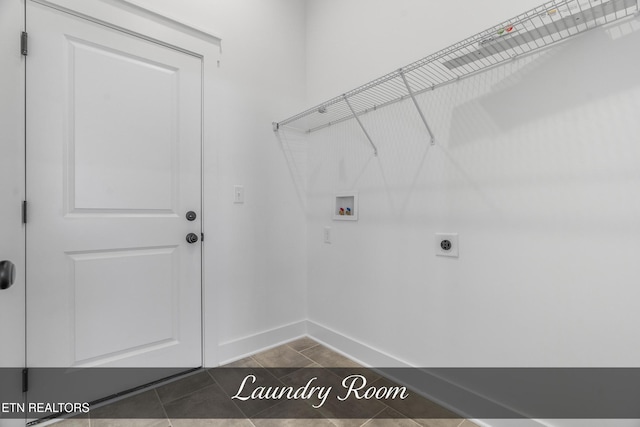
445 245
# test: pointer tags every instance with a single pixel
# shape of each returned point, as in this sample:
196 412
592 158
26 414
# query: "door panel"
151 286
113 165
131 167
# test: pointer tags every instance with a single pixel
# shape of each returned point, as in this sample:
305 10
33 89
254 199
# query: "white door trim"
109 10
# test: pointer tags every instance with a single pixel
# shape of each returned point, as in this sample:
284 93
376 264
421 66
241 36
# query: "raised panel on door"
131 167
113 165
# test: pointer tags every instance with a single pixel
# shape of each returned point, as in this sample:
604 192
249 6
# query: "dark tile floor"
188 402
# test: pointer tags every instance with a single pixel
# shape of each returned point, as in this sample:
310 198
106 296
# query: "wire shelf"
540 27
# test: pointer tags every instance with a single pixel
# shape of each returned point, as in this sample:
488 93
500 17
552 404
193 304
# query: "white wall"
255 254
352 42
536 168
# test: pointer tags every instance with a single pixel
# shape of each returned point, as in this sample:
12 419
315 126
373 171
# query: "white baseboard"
378 360
231 351
352 348
365 355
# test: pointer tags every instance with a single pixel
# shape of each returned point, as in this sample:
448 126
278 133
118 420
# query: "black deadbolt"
7 274
191 216
445 245
192 238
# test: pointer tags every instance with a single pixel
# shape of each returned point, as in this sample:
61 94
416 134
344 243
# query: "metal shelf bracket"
415 102
355 116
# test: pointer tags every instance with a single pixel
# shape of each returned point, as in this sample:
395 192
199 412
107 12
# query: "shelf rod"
415 102
355 116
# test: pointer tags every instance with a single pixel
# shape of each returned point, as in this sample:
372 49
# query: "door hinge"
24 211
25 380
24 41
202 237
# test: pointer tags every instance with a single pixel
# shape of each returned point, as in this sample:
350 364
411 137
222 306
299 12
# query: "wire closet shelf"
540 27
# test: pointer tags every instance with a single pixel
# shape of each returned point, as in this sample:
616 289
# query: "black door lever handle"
7 274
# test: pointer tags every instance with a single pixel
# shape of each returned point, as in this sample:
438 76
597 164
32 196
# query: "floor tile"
241 422
302 344
390 418
145 405
303 376
204 399
232 380
247 362
350 412
281 359
123 422
293 409
288 422
210 402
328 358
440 422
77 421
422 410
238 382
182 387
350 422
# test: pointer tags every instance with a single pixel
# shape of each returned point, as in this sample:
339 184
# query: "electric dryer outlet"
446 244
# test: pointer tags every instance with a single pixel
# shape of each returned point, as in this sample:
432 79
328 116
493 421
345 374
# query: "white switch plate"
238 194
446 244
327 234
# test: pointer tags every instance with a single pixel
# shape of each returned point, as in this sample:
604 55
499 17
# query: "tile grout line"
227 394
376 414
155 391
304 349
324 367
175 399
319 364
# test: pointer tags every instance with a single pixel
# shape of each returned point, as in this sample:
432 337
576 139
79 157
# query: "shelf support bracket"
355 116
415 102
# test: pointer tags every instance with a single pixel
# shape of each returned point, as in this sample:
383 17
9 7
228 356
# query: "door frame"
12 176
130 18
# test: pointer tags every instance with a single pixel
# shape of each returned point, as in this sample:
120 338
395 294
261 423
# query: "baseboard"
231 351
352 348
440 391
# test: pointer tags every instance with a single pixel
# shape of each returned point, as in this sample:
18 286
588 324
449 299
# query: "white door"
113 167
11 197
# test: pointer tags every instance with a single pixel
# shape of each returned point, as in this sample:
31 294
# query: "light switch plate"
238 194
327 235
446 244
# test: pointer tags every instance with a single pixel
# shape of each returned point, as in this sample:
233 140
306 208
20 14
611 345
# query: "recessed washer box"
346 207
447 244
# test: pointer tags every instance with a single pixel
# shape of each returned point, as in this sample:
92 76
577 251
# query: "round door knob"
191 216
7 274
192 238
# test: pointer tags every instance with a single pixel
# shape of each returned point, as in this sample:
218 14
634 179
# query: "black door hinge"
24 41
25 380
202 237
24 211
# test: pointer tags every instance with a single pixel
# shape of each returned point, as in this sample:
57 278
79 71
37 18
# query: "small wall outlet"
238 194
327 234
447 244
